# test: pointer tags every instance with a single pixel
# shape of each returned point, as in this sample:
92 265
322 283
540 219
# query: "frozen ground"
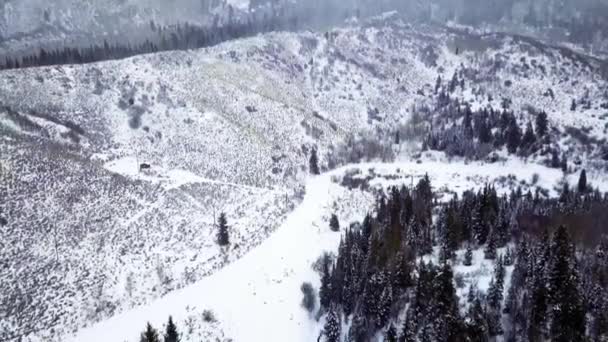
257 298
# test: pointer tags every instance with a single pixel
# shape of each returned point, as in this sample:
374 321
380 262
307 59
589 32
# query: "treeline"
180 37
558 291
461 131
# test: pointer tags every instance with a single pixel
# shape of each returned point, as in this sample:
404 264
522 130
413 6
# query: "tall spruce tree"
567 308
468 256
334 224
313 162
391 334
582 182
325 291
513 136
333 326
149 335
171 334
542 125
223 237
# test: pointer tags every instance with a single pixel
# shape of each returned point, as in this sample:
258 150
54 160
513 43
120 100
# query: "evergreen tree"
477 325
314 162
484 131
542 125
333 326
568 312
467 122
171 334
223 237
149 335
384 310
513 136
538 311
334 224
391 334
468 256
472 294
409 332
573 105
529 138
490 250
555 161
582 182
509 258
325 290
438 84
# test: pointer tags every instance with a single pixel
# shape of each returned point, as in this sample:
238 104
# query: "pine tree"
384 309
568 312
468 256
223 237
538 311
149 335
334 224
333 326
408 333
171 334
509 258
472 294
314 162
477 325
438 84
325 290
513 136
541 124
529 138
391 334
582 182
467 123
573 105
490 250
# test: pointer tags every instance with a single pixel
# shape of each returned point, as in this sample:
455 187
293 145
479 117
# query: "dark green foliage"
149 335
313 162
223 237
568 311
171 334
477 325
325 292
309 298
391 334
334 224
375 274
468 256
529 138
542 125
333 326
513 136
573 105
582 182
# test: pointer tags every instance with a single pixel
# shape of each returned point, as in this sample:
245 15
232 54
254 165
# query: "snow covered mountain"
90 235
26 26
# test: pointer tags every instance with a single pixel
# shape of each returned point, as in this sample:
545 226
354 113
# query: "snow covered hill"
27 24
225 129
257 298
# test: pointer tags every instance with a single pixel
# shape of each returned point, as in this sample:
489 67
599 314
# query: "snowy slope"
257 298
227 128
